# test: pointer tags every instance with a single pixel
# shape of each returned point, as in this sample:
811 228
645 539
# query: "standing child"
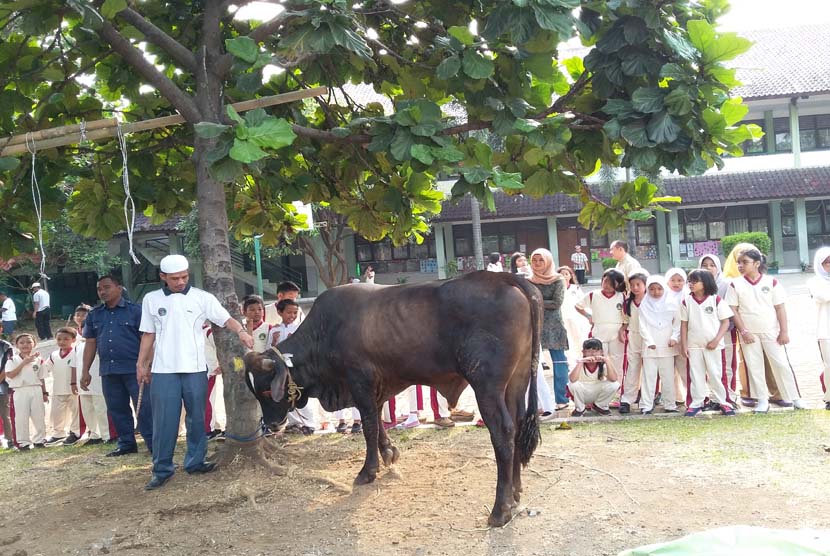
761 319
660 330
304 419
603 309
253 308
712 264
64 412
704 320
24 373
574 323
593 380
91 395
634 341
677 290
820 291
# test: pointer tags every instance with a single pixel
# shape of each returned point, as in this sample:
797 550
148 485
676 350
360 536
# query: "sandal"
561 406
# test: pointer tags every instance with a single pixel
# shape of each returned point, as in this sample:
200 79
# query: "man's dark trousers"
119 389
44 331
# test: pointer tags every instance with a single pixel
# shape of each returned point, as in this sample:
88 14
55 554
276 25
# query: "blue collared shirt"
117 336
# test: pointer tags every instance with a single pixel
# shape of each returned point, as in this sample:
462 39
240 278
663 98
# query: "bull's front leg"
370 413
388 453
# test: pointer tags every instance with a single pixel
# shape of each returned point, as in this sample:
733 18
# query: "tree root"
256 452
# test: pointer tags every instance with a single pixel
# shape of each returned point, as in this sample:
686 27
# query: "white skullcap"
173 263
36 285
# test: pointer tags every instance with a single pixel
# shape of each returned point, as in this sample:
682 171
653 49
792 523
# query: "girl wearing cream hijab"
820 291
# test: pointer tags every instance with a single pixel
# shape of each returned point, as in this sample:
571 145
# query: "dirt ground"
595 489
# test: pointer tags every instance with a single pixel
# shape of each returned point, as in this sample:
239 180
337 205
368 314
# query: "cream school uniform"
262 336
64 414
755 303
216 387
607 316
820 291
573 321
93 405
633 356
704 319
658 324
306 416
28 401
589 388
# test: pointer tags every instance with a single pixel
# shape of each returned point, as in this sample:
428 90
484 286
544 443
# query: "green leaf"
476 174
674 71
678 102
503 123
255 117
448 154
477 66
555 20
463 34
244 48
635 134
575 66
534 156
618 107
666 200
541 65
246 151
713 121
273 133
209 130
715 47
232 114
635 30
402 144
508 180
341 132
8 163
537 185
525 125
639 215
110 8
648 99
662 128
226 170
448 68
644 159
422 153
348 39
733 111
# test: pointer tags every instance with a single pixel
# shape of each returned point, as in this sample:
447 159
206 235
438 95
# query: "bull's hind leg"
388 453
502 429
370 415
515 400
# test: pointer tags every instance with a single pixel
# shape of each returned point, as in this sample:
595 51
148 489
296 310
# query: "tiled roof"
708 189
785 62
142 224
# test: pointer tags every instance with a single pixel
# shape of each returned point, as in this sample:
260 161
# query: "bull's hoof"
517 496
499 519
365 477
390 455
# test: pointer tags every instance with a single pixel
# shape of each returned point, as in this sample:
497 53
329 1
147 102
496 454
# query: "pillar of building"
795 133
553 238
801 230
776 231
440 251
769 132
663 254
674 238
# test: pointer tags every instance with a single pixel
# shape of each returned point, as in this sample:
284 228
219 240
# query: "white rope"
83 131
129 205
36 200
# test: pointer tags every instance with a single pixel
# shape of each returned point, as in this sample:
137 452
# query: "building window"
717 229
598 240
364 252
783 141
646 234
814 132
757 146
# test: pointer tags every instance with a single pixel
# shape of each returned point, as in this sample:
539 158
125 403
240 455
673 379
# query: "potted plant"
772 267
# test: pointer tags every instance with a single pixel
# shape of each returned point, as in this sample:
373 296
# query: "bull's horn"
268 364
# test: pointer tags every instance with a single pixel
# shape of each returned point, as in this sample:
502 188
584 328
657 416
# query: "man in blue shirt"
111 329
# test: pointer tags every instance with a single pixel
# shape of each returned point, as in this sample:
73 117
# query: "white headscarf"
657 313
821 255
676 297
720 280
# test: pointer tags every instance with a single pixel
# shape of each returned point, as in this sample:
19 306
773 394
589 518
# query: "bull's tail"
529 435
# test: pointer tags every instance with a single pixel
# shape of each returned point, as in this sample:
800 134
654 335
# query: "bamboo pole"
102 129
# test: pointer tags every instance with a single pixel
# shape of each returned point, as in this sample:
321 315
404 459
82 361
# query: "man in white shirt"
174 343
9 314
43 313
625 262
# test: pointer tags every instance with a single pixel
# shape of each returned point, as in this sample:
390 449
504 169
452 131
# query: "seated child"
593 380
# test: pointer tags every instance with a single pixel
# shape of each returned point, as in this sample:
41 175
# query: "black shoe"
214 435
602 411
341 428
577 413
52 441
827 406
645 412
307 430
625 408
94 441
39 445
156 482
357 428
204 467
122 452
111 441
71 439
658 398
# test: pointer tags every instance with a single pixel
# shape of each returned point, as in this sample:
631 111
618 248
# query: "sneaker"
94 441
357 428
658 398
480 423
625 408
547 416
645 412
577 413
52 441
342 427
215 435
762 407
693 412
71 439
827 406
669 410
387 425
711 405
602 411
799 404
444 423
307 430
461 415
39 445
748 402
782 403
614 405
409 424
292 429
727 410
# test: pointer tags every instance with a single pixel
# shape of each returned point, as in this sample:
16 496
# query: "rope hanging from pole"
129 204
31 146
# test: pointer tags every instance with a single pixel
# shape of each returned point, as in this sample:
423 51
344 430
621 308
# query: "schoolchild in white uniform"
630 389
660 329
820 291
704 320
285 290
215 408
25 375
253 308
593 380
64 414
603 309
574 323
761 319
730 340
677 291
91 393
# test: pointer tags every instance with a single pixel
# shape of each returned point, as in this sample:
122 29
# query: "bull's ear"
278 386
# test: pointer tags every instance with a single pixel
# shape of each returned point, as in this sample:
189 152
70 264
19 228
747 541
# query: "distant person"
25 375
64 406
820 292
626 264
289 290
579 261
369 275
6 353
518 265
43 312
494 263
9 314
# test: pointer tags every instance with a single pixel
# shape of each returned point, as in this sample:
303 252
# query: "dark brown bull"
362 344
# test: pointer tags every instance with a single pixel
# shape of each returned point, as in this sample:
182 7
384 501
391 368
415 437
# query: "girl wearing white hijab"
660 330
677 291
712 264
820 291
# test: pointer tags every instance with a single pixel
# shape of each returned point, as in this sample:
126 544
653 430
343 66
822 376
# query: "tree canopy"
652 91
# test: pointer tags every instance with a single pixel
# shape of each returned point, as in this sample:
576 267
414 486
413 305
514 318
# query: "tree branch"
224 63
135 58
153 34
